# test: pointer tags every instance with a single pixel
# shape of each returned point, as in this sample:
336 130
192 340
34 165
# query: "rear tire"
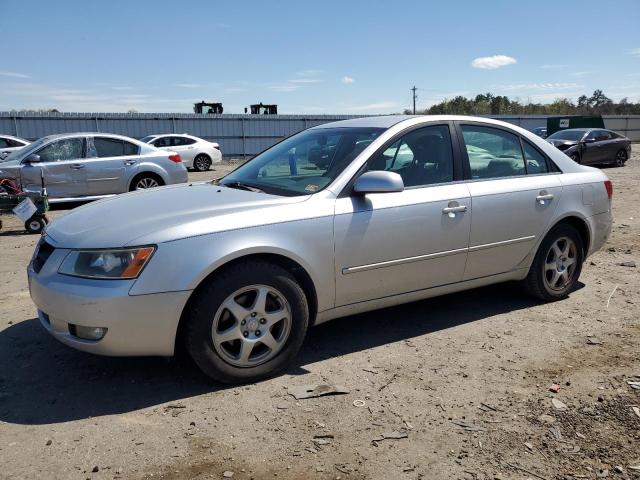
621 158
227 322
201 163
557 265
144 181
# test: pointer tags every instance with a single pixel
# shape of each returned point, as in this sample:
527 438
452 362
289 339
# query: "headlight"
113 264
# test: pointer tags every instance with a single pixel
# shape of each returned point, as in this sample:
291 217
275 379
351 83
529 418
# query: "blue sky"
322 57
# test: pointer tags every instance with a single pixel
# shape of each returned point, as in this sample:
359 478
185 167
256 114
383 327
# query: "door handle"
451 211
77 166
543 197
129 162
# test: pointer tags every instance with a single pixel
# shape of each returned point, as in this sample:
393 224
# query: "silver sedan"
339 219
87 166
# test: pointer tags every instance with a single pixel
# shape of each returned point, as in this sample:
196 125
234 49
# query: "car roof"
388 121
13 137
59 136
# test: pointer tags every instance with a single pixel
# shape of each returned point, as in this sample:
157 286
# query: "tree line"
490 104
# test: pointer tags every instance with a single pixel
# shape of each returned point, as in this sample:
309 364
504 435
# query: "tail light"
609 187
175 158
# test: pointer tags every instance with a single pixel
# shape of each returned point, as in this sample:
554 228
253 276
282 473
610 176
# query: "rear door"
185 147
62 167
514 194
107 165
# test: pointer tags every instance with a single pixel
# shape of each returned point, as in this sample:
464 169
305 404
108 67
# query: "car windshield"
147 139
26 150
304 163
567 135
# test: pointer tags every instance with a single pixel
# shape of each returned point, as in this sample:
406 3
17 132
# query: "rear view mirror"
378 182
33 158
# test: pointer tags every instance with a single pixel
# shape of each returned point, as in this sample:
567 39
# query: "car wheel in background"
246 323
201 163
35 224
621 158
557 264
145 181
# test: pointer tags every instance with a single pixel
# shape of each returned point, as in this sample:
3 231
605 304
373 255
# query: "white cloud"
493 62
288 87
122 89
636 52
373 106
309 73
14 75
348 80
553 66
305 80
579 74
187 85
538 86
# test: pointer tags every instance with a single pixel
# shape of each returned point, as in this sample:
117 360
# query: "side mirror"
589 140
378 182
33 158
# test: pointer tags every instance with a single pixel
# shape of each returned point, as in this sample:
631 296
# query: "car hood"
165 214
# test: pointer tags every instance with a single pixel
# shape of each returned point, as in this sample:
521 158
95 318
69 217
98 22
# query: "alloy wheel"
560 264
251 326
146 182
621 158
202 163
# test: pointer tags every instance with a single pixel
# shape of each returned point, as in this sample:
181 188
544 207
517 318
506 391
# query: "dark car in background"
540 131
592 145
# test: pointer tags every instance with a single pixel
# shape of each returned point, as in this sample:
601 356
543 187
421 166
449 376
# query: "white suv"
195 152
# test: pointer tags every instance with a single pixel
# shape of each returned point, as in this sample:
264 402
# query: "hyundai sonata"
404 208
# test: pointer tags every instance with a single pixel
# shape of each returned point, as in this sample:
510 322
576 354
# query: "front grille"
44 252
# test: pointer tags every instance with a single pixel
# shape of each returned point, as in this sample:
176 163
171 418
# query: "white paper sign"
564 123
25 209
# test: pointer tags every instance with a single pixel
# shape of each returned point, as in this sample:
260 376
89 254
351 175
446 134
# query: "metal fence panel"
238 135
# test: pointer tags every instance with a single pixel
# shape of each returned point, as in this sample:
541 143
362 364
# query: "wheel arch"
294 267
149 173
581 225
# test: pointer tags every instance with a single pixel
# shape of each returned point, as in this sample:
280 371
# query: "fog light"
87 333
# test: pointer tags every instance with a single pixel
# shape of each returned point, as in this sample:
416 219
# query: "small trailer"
30 207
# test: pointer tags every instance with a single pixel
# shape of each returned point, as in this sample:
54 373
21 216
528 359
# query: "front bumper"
136 324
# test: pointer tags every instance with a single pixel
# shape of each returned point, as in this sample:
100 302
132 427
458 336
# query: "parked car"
540 131
10 144
196 153
592 145
239 269
87 166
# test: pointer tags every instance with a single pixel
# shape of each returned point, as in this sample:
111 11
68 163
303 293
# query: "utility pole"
414 98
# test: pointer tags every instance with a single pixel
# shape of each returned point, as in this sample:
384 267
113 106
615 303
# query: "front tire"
557 265
621 158
247 323
201 163
35 224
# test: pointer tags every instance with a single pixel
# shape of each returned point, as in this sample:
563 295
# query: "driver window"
66 149
421 157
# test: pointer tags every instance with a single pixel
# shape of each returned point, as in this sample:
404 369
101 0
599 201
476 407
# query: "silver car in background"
403 208
87 166
9 143
196 153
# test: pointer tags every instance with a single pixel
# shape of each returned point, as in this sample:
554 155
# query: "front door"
514 195
62 167
392 243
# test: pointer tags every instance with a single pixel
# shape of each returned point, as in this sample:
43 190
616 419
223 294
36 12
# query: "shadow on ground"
45 382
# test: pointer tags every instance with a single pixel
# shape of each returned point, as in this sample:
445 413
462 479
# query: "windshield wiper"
243 186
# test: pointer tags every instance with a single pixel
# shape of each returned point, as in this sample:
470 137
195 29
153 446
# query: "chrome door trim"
400 261
501 243
418 258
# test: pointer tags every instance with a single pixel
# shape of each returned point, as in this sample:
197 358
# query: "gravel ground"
460 384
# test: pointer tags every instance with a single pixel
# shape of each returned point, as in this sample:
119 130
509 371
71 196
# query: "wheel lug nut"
245 333
253 314
263 321
243 322
257 333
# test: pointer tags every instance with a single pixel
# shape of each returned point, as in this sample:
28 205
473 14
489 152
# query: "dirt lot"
461 381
